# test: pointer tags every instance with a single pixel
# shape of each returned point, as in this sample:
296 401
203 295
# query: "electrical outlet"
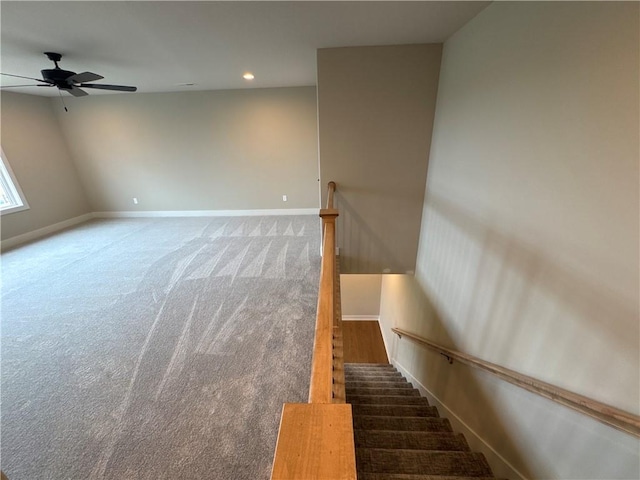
135 200
284 198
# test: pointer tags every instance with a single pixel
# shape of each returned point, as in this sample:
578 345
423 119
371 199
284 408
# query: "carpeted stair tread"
376 384
379 460
403 476
440 441
398 436
369 365
406 424
395 410
384 377
376 378
372 371
381 391
367 372
386 400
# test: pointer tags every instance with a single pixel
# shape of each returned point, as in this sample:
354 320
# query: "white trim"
15 209
41 232
360 318
459 424
387 347
209 213
14 188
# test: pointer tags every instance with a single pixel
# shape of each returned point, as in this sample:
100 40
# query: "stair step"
379 460
395 410
389 384
379 369
374 370
349 379
369 365
386 400
410 440
364 367
382 391
402 476
406 424
374 376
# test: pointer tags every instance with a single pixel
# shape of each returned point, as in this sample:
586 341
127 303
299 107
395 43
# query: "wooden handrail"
315 440
321 386
612 416
331 188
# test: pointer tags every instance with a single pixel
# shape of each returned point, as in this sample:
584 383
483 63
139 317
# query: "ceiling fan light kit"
69 81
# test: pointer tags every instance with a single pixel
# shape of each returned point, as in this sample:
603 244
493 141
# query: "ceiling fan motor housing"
57 76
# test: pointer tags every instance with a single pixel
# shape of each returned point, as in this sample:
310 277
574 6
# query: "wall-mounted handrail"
612 416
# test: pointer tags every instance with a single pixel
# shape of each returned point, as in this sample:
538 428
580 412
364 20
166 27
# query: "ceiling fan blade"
84 77
103 86
76 92
28 78
30 85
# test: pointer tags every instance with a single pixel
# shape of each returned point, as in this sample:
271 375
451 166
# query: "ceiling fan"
68 81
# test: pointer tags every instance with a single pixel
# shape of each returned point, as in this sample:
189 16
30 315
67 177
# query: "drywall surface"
209 150
360 295
39 157
528 252
376 107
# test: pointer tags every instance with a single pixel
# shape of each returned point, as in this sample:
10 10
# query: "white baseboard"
494 458
387 347
41 232
209 213
369 318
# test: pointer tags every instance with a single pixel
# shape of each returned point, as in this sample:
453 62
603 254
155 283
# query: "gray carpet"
156 348
396 441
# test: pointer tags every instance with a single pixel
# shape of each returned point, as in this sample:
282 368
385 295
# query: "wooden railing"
315 440
612 416
321 387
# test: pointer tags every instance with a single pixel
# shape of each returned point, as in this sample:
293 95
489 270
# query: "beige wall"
360 295
375 107
39 157
214 150
529 243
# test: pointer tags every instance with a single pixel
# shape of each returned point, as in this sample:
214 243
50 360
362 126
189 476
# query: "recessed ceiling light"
248 76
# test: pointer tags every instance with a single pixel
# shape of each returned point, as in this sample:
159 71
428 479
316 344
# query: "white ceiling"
157 45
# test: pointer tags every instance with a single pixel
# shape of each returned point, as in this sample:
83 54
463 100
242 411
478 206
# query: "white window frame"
11 188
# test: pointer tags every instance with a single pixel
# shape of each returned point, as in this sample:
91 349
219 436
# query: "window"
11 197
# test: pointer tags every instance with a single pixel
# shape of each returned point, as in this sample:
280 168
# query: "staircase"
398 436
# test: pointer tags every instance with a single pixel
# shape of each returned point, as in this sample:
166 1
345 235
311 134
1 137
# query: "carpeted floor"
156 348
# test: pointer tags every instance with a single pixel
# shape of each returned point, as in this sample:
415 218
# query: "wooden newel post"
328 216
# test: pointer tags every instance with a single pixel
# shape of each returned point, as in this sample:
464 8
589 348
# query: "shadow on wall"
472 404
480 291
361 249
516 306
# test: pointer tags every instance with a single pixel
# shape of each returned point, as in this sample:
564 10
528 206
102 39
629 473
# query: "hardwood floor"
363 342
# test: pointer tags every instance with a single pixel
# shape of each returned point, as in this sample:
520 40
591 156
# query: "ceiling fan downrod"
54 57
